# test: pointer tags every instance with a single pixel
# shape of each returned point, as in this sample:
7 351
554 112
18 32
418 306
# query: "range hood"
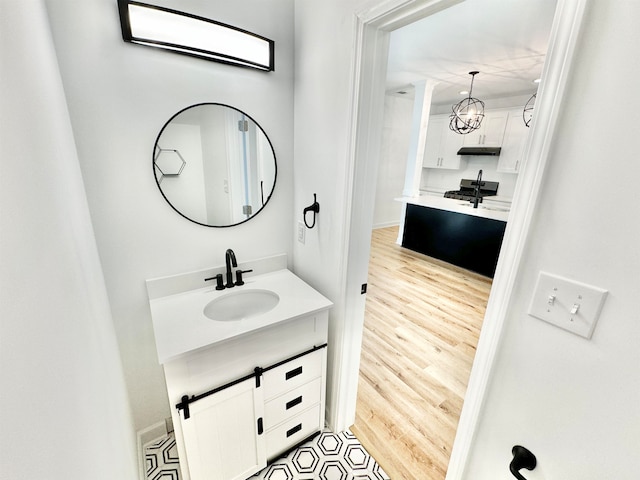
493 151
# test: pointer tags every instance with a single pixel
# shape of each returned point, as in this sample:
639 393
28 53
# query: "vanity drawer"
293 374
292 403
292 432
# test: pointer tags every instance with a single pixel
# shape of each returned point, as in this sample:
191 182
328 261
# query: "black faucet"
230 260
476 197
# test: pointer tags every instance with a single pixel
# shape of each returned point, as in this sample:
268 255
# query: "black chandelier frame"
527 112
467 115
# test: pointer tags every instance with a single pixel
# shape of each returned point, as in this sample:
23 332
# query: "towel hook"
522 458
315 208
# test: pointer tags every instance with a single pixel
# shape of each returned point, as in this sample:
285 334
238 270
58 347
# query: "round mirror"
214 165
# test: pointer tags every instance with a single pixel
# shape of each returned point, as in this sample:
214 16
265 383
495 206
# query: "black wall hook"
522 458
315 208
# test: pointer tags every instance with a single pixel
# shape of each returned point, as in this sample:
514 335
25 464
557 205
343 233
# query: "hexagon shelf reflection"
168 163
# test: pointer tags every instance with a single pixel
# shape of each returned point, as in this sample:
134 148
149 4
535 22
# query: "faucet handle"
219 281
239 280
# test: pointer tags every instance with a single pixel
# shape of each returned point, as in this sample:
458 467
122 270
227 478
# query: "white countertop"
180 325
485 210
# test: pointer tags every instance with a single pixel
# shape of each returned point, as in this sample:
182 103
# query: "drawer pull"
293 430
294 402
293 373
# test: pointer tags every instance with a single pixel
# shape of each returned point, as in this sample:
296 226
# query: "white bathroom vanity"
245 367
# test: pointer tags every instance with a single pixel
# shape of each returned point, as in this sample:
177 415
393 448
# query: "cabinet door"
515 137
491 131
433 146
494 125
222 438
442 144
451 143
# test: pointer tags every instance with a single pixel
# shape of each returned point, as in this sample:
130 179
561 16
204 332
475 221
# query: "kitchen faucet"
230 260
478 183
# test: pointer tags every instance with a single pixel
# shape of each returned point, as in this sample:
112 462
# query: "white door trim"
371 39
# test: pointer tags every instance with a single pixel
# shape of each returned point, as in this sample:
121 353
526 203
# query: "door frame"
369 63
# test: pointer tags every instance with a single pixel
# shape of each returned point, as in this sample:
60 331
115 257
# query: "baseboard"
385 225
145 436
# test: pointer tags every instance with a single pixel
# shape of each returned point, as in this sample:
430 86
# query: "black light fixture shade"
192 35
466 115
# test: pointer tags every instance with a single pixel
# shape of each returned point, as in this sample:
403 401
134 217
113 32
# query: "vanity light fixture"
466 115
193 35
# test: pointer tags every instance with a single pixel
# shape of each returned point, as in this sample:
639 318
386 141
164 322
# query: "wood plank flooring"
422 322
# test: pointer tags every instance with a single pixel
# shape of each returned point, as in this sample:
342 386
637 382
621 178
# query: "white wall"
571 401
398 113
119 96
321 150
63 402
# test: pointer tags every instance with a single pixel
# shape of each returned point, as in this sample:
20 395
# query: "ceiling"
505 40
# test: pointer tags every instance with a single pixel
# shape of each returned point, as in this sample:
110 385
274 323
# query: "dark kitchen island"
454 232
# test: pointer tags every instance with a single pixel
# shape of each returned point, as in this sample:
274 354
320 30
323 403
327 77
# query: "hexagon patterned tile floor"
161 459
328 456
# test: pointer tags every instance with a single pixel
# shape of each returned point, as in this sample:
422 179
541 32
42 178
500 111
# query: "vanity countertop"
180 325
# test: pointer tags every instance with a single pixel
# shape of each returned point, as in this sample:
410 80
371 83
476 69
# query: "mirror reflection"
214 165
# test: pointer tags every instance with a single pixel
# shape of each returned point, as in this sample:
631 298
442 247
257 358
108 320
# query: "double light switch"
571 305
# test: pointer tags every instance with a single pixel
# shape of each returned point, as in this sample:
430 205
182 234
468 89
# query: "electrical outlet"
301 232
568 304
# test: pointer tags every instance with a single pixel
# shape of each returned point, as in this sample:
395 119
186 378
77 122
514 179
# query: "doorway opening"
423 316
373 28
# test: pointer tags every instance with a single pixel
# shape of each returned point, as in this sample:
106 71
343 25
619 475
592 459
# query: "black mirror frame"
275 164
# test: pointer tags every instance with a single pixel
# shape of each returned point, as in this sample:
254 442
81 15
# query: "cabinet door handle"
260 426
293 403
293 430
293 373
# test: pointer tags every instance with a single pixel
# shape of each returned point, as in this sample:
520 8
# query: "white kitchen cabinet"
491 131
442 145
249 417
515 137
223 437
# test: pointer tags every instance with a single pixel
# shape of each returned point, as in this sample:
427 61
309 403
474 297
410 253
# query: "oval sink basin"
241 304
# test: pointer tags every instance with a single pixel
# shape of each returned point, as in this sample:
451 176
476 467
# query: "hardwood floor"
422 322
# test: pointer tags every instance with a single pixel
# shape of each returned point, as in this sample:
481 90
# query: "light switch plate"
571 305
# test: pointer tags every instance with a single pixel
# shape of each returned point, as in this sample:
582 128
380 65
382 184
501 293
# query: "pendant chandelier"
466 115
527 113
